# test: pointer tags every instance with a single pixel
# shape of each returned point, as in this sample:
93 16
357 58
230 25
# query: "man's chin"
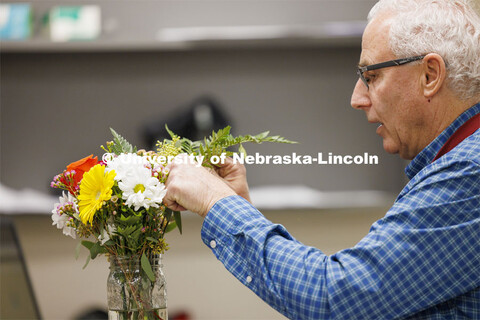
392 149
389 148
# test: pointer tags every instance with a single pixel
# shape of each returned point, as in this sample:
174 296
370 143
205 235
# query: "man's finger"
173 205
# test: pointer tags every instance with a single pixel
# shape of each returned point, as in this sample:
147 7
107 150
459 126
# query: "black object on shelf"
193 121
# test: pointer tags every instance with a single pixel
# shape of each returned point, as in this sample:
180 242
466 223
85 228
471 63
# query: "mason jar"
131 294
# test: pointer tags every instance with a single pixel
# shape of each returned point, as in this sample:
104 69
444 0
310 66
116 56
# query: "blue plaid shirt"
421 261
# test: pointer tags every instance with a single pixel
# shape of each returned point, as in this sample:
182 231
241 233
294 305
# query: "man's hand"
194 188
235 176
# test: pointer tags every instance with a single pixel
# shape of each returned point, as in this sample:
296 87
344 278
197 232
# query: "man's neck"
439 113
449 109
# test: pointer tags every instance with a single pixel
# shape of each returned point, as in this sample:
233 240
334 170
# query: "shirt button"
213 244
249 279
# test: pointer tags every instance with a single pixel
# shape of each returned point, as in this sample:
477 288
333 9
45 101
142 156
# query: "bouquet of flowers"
115 205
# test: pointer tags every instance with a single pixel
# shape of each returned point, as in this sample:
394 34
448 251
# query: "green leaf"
121 145
171 226
86 262
95 248
152 239
77 250
133 237
178 220
170 132
242 150
186 146
147 267
87 244
168 214
125 232
109 243
262 135
132 219
279 140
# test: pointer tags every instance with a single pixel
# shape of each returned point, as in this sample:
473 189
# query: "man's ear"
434 74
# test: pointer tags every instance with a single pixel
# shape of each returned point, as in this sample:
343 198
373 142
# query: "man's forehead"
375 42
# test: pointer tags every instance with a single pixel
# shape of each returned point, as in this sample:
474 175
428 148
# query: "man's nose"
360 98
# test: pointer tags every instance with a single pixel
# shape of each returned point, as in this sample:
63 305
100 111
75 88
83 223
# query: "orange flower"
81 166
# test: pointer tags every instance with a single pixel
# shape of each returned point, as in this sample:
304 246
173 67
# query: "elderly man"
419 78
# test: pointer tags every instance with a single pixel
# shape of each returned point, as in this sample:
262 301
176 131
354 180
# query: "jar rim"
133 261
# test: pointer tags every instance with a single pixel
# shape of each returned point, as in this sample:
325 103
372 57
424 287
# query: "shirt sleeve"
425 251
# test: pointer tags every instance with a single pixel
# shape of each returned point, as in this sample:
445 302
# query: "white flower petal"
153 192
125 164
60 219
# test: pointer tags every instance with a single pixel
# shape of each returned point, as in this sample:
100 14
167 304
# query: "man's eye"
369 77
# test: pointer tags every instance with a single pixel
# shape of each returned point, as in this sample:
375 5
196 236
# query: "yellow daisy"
95 188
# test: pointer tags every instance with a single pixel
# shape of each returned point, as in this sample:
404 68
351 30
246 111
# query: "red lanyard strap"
467 129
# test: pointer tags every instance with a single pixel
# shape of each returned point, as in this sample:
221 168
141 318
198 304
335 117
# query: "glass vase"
130 292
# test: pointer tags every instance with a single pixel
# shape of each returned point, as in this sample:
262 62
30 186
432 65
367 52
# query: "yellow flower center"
139 187
97 196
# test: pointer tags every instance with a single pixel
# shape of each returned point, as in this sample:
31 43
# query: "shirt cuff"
227 217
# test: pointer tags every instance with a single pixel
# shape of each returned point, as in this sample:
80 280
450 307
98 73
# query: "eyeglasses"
391 63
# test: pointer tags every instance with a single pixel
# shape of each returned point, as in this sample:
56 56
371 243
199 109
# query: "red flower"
80 167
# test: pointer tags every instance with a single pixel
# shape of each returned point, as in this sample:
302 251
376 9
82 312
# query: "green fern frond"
120 144
219 141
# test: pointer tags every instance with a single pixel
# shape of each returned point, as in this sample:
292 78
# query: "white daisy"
124 164
140 189
63 212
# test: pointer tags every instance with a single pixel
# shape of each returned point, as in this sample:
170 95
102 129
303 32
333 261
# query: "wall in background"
57 108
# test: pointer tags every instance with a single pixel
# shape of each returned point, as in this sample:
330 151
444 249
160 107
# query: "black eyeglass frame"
391 63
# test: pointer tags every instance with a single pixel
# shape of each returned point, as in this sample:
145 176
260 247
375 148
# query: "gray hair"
450 28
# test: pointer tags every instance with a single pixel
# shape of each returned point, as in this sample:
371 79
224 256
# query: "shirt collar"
426 156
